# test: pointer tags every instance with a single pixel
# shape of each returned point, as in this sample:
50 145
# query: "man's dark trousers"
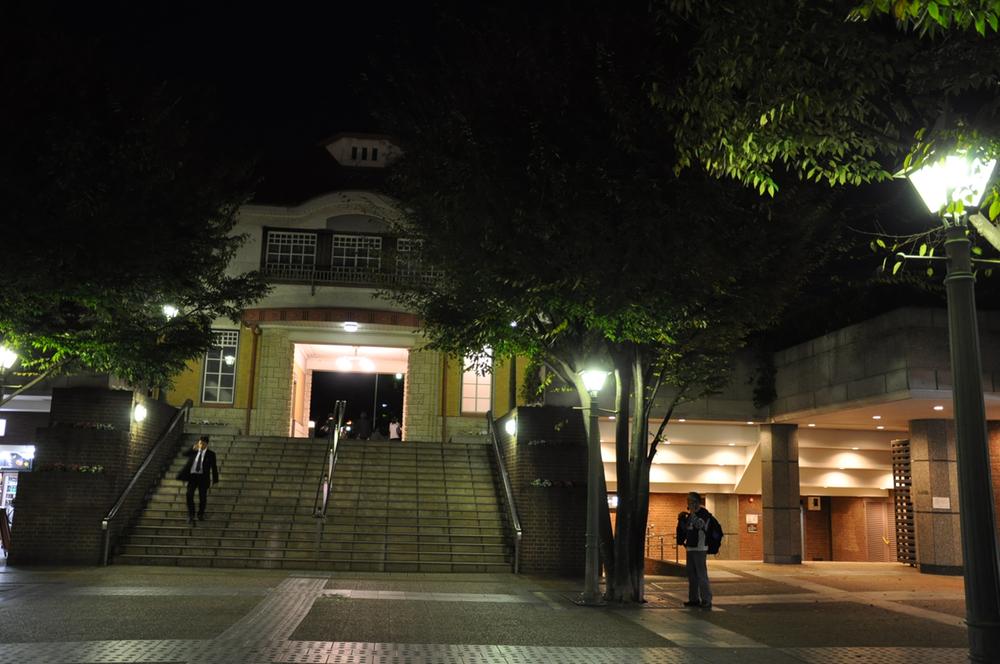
201 483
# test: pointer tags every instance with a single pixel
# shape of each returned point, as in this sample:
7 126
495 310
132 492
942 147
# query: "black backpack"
713 535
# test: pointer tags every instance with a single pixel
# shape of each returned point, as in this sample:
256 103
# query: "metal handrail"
677 555
323 490
515 522
181 414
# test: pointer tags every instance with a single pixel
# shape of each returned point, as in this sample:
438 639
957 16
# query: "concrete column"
726 508
273 405
422 396
934 490
779 457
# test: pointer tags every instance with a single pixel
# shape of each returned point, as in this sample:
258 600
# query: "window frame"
220 336
478 381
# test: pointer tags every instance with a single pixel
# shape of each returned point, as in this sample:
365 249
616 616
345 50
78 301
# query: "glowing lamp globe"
954 178
593 379
7 358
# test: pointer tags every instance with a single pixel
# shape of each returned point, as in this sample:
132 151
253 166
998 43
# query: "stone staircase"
413 506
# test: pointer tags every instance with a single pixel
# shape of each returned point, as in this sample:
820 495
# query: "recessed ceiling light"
666 442
722 464
876 417
350 326
880 427
811 424
840 468
854 448
611 417
749 421
938 407
682 420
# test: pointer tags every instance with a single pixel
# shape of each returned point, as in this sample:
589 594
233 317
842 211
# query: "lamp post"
7 359
956 179
593 381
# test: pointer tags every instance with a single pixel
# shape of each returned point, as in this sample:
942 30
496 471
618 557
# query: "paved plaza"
819 613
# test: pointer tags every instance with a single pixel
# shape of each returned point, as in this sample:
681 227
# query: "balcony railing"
311 257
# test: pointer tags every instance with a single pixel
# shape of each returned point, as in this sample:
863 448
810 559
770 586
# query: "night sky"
276 81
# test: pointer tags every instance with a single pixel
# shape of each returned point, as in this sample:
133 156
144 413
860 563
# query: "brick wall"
817 527
59 513
751 544
553 519
993 433
663 511
847 520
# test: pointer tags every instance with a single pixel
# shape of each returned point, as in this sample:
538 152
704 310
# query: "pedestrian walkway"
816 613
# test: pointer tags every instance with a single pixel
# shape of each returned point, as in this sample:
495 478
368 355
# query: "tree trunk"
620 589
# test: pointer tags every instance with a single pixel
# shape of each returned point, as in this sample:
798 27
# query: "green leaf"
932 9
978 251
880 242
895 268
930 272
994 209
923 250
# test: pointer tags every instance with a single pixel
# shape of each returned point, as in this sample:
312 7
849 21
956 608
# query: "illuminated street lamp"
7 359
951 187
593 382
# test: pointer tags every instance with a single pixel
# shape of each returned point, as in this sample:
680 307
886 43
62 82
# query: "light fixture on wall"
510 426
139 413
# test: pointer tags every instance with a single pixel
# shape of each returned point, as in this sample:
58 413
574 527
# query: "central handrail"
180 415
515 522
334 424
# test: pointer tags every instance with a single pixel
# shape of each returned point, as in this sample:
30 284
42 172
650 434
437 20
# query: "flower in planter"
71 468
560 484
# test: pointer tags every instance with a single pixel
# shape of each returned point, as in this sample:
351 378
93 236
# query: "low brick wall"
550 445
58 513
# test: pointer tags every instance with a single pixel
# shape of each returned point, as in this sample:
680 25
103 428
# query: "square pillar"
779 457
934 489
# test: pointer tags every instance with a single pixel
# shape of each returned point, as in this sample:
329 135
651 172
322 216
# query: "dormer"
362 150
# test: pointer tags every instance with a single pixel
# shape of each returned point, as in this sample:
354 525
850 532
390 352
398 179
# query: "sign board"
814 504
752 519
941 502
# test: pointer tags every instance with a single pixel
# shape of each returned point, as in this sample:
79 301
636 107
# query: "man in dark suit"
199 471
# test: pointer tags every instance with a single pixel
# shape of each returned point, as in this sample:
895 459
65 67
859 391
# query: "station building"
853 461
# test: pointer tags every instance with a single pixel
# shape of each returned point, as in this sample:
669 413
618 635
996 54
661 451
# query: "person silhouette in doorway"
364 427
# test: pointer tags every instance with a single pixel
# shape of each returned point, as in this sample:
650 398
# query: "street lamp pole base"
589 599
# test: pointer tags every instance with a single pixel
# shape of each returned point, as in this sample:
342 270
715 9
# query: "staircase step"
415 506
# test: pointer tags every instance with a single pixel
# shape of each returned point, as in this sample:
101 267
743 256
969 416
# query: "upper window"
477 386
357 251
220 368
289 252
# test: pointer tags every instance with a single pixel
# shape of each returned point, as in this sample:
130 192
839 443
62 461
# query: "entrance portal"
377 398
369 378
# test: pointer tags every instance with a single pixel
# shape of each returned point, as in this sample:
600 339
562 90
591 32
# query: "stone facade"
934 473
779 455
422 396
899 353
273 386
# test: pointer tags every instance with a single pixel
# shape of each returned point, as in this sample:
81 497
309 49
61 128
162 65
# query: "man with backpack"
700 534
